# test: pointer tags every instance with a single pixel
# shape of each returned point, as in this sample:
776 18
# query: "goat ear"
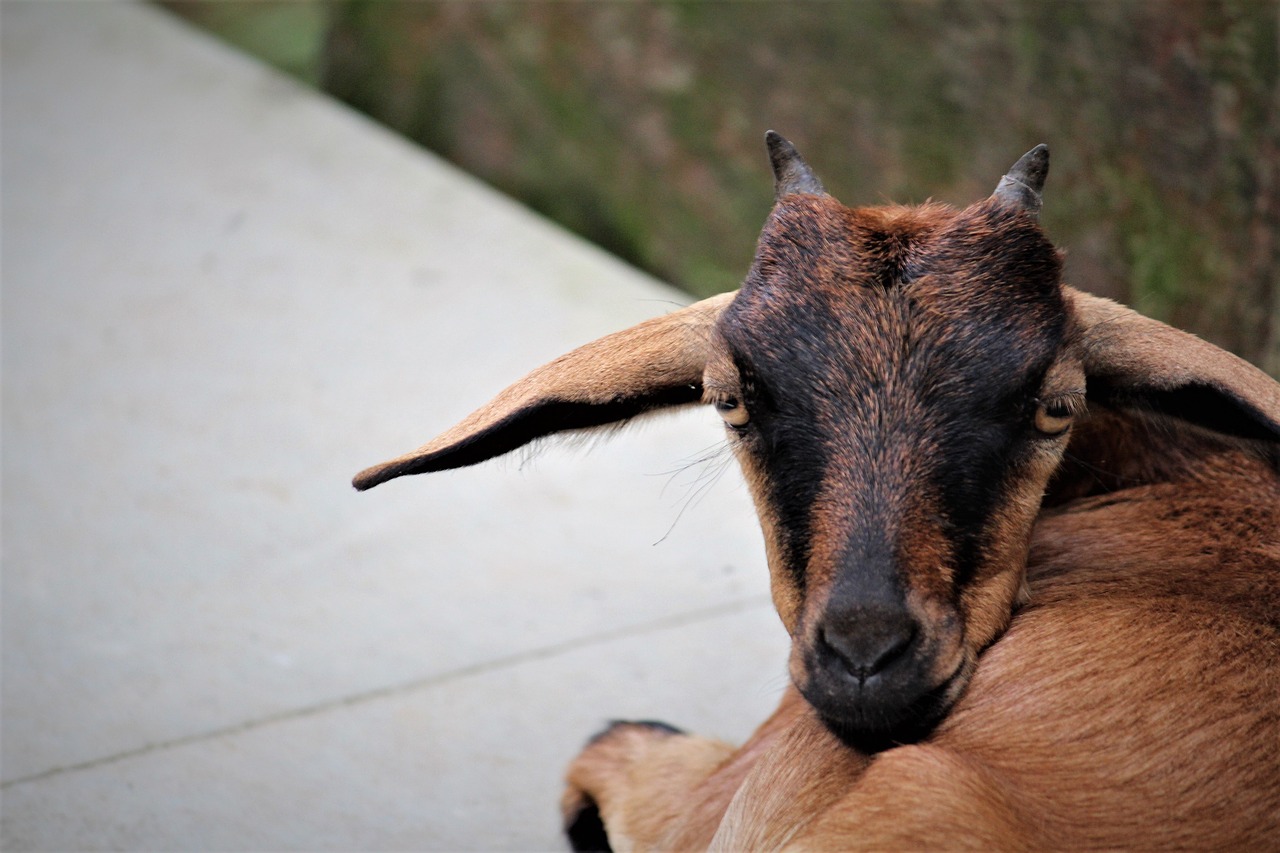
1132 361
654 365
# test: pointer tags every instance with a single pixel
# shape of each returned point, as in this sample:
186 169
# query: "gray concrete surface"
223 295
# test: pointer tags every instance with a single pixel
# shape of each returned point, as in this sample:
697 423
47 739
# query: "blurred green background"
640 125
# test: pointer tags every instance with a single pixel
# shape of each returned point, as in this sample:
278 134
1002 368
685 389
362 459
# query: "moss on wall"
640 125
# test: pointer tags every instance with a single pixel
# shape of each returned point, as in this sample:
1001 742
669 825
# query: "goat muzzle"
871 674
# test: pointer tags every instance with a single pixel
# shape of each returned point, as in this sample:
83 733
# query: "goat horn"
791 174
1021 187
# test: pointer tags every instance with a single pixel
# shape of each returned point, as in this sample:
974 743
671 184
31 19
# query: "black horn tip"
791 174
1023 184
778 144
1034 165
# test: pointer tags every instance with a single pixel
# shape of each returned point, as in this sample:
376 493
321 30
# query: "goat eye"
733 412
1053 418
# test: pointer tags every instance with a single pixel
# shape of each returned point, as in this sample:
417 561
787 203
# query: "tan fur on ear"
1131 356
654 364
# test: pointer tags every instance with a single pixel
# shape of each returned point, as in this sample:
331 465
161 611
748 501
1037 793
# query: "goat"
1026 543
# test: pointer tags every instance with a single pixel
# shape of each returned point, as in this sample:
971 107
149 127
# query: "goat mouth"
874 727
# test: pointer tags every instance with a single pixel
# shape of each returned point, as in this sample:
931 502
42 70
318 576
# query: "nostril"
896 648
871 645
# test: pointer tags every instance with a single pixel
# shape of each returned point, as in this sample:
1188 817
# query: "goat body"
1026 543
1133 703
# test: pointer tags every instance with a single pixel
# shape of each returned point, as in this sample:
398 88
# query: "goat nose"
869 643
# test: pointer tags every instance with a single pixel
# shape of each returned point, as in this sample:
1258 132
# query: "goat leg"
630 788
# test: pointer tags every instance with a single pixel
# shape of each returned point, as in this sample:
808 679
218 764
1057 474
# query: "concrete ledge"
223 295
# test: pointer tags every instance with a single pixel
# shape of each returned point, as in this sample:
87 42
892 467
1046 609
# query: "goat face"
899 386
896 386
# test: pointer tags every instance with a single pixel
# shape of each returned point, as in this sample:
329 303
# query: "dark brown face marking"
890 361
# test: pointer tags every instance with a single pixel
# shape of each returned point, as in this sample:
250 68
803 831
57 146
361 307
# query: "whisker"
711 465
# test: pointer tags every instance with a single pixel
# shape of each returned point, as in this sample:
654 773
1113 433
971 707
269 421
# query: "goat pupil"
733 413
1053 418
